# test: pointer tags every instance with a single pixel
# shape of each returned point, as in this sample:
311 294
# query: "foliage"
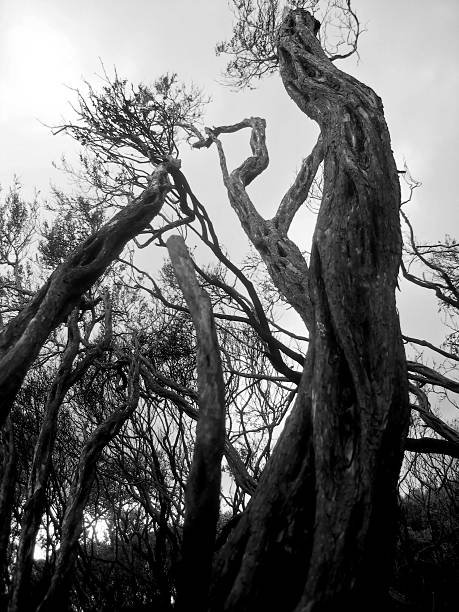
252 47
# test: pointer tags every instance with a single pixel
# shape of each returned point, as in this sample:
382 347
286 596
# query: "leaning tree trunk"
22 339
319 531
202 494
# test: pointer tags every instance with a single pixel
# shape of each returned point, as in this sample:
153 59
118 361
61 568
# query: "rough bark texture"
285 263
319 530
202 497
264 562
22 339
56 597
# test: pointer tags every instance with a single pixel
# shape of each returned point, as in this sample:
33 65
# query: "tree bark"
285 262
319 531
23 337
202 496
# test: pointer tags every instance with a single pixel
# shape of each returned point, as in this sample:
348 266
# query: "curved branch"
431 346
83 480
175 394
426 375
283 259
432 421
299 191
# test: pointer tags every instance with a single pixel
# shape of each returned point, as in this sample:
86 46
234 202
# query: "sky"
408 54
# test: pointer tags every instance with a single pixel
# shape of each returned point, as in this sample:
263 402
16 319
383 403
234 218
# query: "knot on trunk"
295 20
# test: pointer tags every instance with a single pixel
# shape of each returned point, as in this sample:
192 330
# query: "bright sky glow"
34 54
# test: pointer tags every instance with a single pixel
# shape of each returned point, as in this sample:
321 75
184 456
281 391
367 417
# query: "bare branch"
298 192
447 284
438 350
432 421
283 259
426 375
175 394
432 445
81 488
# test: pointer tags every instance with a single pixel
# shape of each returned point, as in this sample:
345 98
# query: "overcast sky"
408 55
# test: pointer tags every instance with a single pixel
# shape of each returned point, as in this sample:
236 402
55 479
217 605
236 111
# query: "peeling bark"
202 496
332 479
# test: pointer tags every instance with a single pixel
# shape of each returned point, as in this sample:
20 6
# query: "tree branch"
432 445
299 191
241 476
429 376
432 421
431 346
283 259
86 471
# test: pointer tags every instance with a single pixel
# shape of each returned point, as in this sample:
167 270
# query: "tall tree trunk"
318 533
202 496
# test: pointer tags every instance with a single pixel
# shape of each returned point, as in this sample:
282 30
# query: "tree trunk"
23 337
202 495
319 531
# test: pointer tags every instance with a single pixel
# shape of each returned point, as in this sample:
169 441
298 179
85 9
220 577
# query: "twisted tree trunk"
319 531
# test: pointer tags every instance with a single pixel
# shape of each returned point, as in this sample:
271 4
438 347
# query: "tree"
319 530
